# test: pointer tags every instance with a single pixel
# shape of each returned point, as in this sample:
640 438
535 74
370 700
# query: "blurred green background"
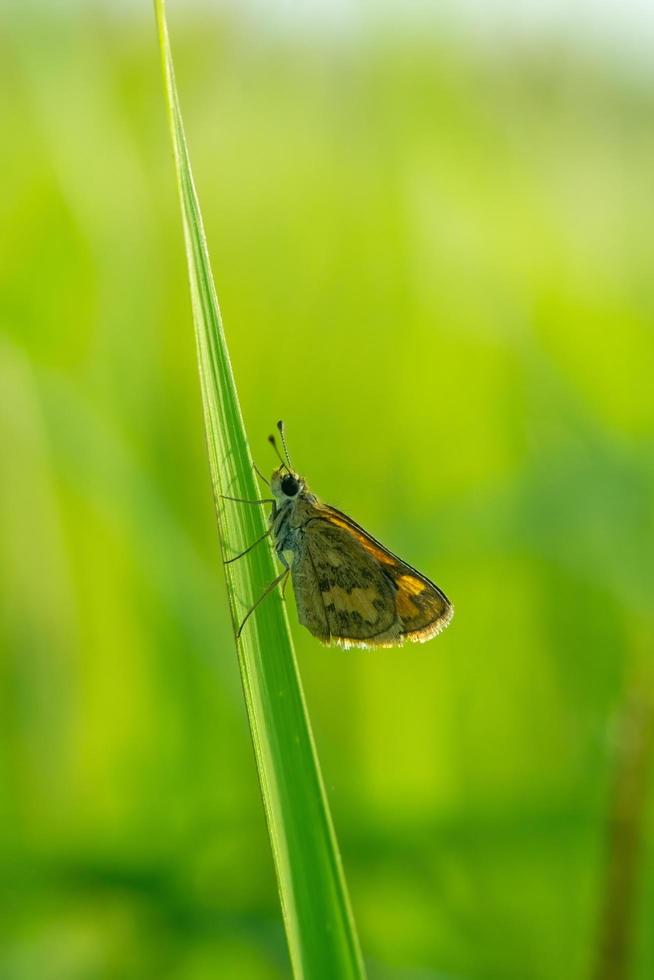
434 258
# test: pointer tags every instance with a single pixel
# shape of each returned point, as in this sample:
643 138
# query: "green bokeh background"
434 260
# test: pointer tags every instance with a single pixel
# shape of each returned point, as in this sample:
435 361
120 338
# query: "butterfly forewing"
352 591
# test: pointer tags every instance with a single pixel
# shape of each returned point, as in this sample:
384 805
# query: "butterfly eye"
290 486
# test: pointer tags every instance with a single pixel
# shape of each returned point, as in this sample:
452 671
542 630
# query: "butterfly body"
349 589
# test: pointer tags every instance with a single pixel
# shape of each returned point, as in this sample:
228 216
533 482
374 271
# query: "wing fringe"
398 639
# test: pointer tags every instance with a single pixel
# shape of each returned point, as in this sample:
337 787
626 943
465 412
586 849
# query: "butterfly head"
286 484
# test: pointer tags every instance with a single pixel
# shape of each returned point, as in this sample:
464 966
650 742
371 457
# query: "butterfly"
349 589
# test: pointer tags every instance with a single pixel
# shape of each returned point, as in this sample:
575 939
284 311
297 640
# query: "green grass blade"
319 926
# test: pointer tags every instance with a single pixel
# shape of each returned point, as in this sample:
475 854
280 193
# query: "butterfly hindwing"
354 601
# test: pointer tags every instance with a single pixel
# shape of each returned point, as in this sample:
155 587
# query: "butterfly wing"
342 595
352 591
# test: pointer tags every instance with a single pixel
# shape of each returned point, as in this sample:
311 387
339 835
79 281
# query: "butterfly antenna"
273 443
280 426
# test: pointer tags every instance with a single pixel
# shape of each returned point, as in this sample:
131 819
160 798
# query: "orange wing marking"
369 545
408 586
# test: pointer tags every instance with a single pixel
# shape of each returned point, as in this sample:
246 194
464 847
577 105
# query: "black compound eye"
290 486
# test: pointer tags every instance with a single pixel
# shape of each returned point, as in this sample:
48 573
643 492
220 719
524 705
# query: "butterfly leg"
260 475
242 500
284 575
249 548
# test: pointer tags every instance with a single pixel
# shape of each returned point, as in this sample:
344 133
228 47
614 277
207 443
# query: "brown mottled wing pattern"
341 593
350 590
